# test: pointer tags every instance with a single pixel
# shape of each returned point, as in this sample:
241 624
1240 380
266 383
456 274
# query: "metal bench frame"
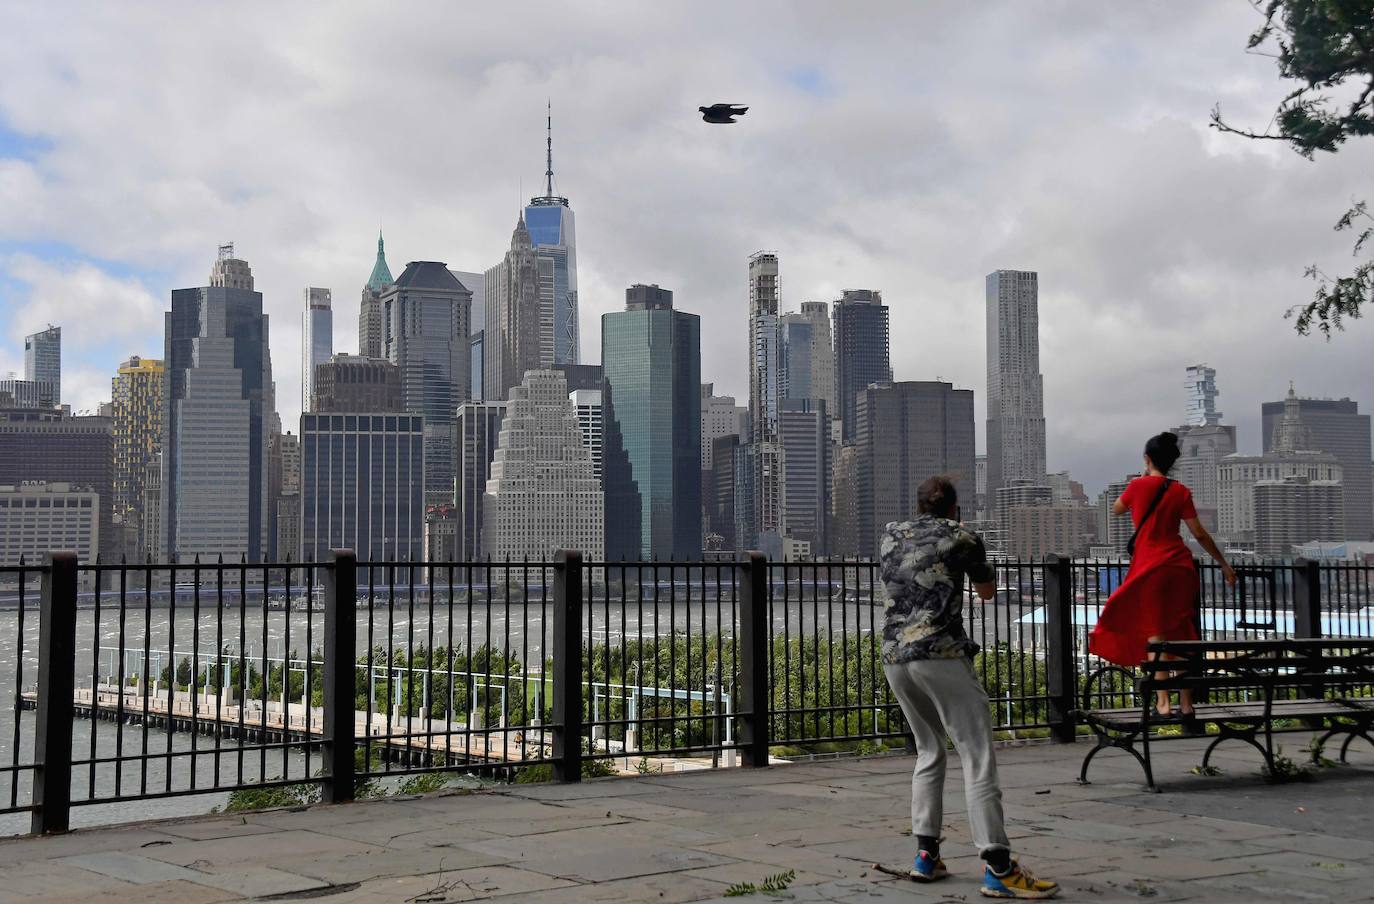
1272 668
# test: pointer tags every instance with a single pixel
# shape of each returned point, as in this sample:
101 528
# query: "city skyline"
1138 219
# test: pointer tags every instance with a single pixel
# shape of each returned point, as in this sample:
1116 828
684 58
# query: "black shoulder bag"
1154 504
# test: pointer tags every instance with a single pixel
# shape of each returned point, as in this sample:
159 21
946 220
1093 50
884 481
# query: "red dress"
1160 593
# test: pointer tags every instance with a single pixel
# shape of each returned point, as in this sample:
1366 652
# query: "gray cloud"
947 141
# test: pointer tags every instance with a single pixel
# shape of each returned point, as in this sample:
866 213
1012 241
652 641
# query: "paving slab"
687 837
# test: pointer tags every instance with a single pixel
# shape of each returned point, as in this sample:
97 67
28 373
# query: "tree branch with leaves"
1324 46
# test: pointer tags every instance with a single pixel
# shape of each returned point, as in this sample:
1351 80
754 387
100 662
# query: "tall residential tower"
1016 403
317 341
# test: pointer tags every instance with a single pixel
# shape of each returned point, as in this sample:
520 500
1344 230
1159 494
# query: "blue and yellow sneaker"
927 868
1018 883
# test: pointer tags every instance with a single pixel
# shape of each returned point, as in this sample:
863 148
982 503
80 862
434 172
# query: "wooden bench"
1325 685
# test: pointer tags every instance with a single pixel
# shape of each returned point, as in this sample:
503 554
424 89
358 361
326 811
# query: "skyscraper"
1336 426
43 359
861 352
1016 403
477 431
362 486
354 383
1201 383
804 433
426 314
550 223
27 394
371 327
760 521
1291 452
55 447
219 398
797 378
587 402
317 340
817 313
542 495
907 432
137 392
720 416
519 324
651 360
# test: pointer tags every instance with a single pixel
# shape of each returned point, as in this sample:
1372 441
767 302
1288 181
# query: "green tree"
1322 45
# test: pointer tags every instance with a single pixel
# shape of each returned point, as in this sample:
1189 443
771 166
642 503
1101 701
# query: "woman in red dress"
1158 599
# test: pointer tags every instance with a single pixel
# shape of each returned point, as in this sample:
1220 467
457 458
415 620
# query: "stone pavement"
690 836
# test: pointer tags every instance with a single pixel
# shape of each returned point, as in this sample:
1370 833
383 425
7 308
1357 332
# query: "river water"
114 644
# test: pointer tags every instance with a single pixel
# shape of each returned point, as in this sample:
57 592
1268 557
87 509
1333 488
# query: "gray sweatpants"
944 697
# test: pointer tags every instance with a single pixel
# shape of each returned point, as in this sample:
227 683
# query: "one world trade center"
549 220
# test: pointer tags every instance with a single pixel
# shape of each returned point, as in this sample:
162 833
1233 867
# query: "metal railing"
139 682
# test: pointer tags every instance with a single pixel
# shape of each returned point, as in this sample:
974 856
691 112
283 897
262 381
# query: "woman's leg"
1161 697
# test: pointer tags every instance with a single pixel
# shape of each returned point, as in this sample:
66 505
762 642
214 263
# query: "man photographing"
928 661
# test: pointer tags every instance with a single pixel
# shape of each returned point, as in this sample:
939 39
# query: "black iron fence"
142 682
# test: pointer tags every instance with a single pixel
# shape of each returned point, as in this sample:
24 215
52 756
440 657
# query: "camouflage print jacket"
923 564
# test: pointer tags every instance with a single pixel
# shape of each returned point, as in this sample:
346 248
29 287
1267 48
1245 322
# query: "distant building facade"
43 360
477 431
519 316
1293 511
426 313
37 518
804 433
215 492
720 416
317 340
587 402
542 495
862 355
362 486
28 394
55 447
371 323
1015 401
354 383
137 392
1337 427
651 411
907 432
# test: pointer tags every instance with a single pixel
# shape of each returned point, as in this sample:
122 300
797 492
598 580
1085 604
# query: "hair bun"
1169 438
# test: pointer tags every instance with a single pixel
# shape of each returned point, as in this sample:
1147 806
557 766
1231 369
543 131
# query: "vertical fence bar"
52 777
1307 598
754 659
567 666
1059 658
340 674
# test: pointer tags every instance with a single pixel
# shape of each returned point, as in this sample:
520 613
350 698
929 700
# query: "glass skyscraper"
219 404
861 352
651 421
549 220
425 316
43 360
317 341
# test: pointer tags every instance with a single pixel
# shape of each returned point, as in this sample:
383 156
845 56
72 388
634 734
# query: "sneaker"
927 868
1018 883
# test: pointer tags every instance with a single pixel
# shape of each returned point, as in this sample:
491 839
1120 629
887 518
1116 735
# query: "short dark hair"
937 496
1163 450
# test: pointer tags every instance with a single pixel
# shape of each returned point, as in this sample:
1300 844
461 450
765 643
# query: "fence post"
340 675
52 775
1307 599
753 659
1060 677
567 666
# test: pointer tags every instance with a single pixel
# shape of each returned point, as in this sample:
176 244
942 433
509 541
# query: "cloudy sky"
905 147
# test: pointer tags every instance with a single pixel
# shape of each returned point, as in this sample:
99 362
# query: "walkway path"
688 837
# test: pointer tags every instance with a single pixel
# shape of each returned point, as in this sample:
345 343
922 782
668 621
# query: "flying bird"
722 114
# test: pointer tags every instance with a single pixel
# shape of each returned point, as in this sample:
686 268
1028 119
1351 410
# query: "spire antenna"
548 173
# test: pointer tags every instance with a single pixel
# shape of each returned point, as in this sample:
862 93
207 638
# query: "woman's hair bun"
1163 450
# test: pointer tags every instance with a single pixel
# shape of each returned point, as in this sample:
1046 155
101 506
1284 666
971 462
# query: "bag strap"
1154 504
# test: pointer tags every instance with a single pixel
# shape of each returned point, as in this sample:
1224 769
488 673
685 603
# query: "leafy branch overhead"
1327 47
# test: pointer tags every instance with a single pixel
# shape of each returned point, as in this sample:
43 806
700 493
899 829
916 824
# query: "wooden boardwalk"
422 740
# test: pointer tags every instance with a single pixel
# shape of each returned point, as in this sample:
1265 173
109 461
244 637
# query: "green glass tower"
651 398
